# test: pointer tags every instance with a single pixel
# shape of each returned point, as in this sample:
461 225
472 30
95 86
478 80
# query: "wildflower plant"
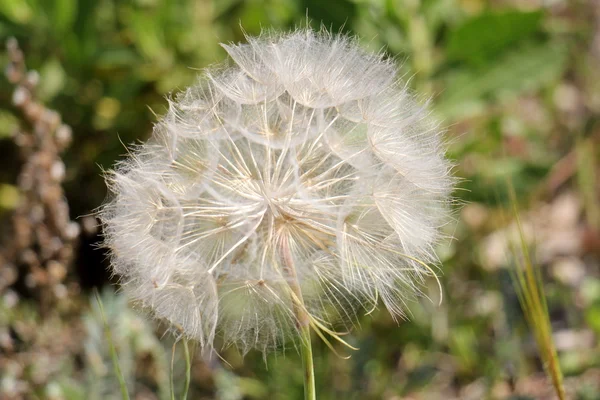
286 191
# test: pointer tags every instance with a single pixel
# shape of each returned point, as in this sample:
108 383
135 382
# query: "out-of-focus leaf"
590 290
148 36
528 68
463 346
256 15
9 196
251 17
182 76
8 123
117 57
64 13
400 10
334 14
439 12
72 391
592 317
52 79
147 3
483 37
18 11
224 7
502 169
253 388
83 45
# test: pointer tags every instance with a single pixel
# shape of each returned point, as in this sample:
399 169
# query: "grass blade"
113 350
528 284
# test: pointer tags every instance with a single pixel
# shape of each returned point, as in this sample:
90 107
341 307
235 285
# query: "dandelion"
289 190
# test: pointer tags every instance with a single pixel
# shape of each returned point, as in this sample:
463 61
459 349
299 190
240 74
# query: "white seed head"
305 164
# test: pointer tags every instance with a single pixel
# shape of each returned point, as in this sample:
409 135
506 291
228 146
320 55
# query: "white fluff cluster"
302 175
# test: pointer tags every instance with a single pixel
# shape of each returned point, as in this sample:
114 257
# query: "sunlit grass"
528 284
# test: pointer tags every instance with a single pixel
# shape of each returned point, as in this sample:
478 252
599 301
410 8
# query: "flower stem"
302 322
307 364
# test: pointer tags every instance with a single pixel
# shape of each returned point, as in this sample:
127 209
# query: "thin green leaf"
113 351
528 284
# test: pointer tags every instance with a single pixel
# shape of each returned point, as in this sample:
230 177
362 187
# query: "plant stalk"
307 364
302 322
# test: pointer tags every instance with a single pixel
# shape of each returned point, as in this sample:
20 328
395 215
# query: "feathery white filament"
308 144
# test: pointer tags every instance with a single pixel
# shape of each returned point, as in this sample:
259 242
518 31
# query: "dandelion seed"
300 185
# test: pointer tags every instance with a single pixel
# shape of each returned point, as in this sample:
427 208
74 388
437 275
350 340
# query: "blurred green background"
516 83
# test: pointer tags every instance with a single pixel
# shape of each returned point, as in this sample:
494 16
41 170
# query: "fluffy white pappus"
303 176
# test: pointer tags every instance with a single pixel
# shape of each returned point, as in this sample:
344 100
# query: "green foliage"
480 39
526 69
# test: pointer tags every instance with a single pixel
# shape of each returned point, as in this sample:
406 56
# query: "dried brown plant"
36 254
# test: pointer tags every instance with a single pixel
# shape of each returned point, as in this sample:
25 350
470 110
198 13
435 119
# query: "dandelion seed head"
305 159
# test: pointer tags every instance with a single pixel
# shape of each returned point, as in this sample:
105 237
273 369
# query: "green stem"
302 321
307 364
188 369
